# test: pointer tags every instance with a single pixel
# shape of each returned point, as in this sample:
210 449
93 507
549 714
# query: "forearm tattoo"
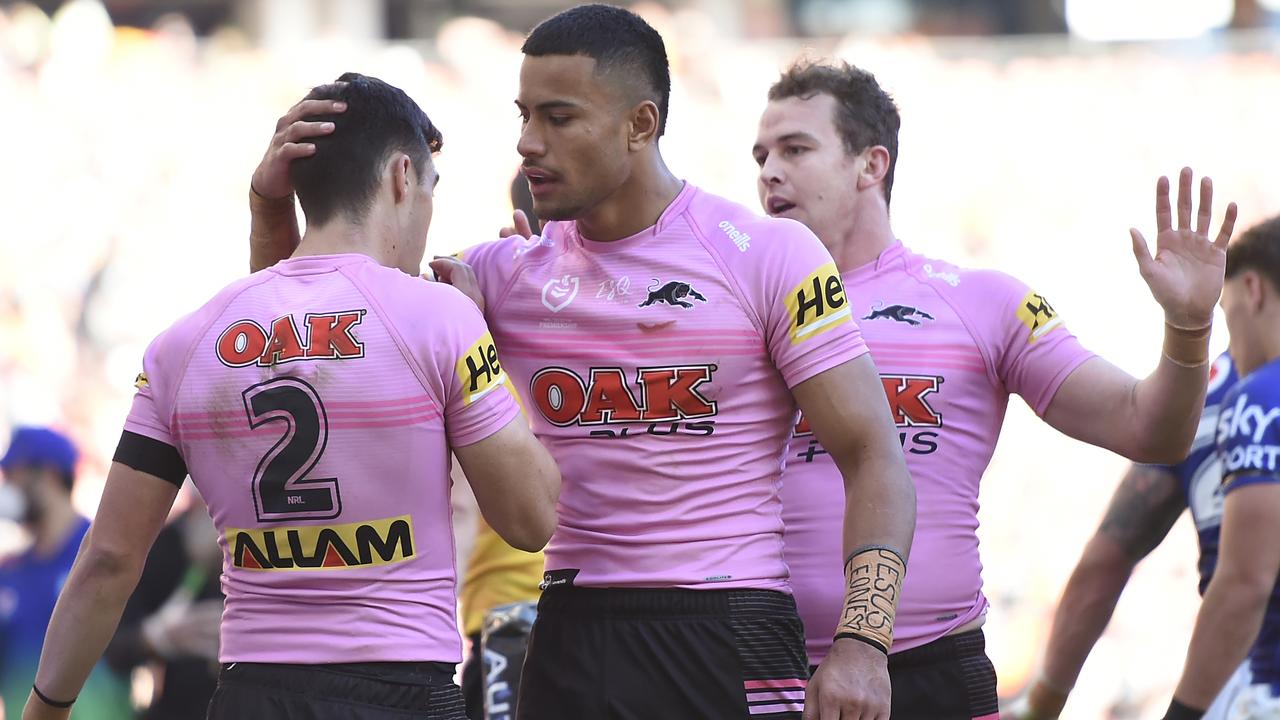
1143 510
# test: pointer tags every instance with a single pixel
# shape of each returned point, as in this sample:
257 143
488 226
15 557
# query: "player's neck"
1271 347
862 242
634 206
339 236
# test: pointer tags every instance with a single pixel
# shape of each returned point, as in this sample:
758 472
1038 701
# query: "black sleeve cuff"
1178 711
151 456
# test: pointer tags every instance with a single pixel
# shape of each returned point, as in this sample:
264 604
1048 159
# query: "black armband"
151 456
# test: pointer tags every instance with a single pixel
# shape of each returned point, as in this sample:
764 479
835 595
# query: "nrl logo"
558 293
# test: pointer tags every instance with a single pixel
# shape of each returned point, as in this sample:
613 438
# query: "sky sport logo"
1253 422
739 238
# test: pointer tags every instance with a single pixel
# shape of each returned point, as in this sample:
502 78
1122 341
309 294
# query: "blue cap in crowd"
40 447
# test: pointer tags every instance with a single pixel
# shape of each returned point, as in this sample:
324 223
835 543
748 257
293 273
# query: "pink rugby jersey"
657 371
950 345
314 404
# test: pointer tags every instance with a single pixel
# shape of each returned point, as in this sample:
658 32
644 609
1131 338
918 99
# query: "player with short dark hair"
951 345
864 115
315 405
666 336
1240 615
625 48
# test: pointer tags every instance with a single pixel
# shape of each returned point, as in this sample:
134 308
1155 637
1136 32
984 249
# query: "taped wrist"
261 203
1188 347
873 580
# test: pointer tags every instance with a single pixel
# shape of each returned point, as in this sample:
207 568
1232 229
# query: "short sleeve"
809 325
152 412
148 443
1035 351
1249 435
496 263
477 396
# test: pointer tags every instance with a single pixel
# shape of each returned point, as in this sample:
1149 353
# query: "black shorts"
949 679
473 681
622 654
354 691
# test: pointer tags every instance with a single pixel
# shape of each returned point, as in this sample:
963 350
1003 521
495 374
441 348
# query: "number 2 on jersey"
281 490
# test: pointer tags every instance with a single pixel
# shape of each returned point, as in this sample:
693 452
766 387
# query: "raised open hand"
1186 274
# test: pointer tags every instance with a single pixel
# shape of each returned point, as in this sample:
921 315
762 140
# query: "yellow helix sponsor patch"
817 304
1038 315
479 370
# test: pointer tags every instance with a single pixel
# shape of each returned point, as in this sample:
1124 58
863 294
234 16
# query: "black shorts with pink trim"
948 679
641 654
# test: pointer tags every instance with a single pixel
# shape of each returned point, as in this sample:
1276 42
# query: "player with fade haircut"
1240 615
315 405
951 345
1143 509
665 337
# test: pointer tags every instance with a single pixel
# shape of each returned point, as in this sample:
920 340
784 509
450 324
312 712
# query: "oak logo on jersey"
817 304
479 370
317 547
1038 315
901 313
666 395
908 397
673 293
328 336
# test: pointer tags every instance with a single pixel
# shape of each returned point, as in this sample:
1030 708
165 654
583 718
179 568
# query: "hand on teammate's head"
293 130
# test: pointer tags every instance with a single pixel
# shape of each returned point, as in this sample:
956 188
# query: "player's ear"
875 166
400 168
1257 291
643 126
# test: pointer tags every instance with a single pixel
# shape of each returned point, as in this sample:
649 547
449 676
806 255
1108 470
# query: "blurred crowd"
127 155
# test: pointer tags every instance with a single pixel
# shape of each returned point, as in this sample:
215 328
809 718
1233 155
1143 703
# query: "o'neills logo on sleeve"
479 370
817 304
321 547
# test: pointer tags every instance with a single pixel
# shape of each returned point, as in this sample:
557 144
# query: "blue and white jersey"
1201 472
1249 450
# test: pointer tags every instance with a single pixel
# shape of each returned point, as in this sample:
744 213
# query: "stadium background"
1032 135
